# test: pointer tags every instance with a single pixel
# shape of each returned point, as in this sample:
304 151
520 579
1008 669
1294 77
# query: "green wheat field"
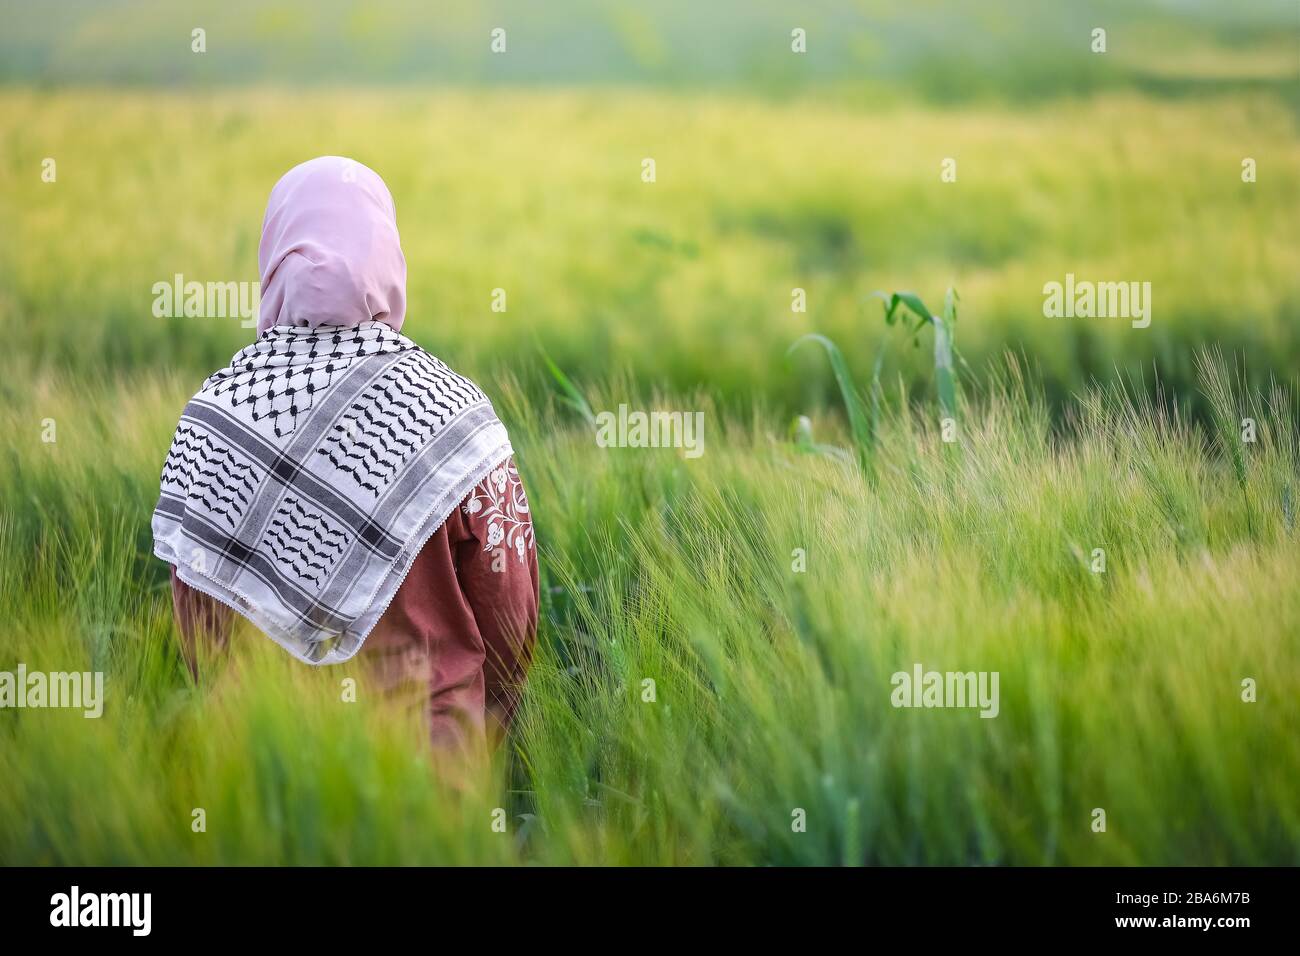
770 587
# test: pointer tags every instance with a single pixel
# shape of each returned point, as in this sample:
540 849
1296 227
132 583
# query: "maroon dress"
461 628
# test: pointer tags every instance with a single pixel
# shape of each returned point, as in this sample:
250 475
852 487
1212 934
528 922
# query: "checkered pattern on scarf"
281 373
305 477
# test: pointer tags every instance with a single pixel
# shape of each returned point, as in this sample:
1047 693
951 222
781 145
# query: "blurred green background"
955 50
774 171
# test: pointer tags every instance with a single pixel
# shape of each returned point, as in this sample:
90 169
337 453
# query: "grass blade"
569 393
859 423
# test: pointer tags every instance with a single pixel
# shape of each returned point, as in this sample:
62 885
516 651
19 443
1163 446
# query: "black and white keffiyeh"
305 477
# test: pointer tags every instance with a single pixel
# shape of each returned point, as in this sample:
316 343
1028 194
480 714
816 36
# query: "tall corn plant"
897 307
864 421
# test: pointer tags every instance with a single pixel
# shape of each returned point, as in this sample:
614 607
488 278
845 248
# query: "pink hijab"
330 253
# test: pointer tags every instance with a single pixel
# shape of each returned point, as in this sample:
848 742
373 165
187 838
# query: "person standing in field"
342 488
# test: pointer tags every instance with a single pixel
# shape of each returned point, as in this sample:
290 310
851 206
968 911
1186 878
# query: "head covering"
330 253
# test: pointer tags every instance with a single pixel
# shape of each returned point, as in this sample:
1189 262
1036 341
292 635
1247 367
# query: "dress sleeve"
497 572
